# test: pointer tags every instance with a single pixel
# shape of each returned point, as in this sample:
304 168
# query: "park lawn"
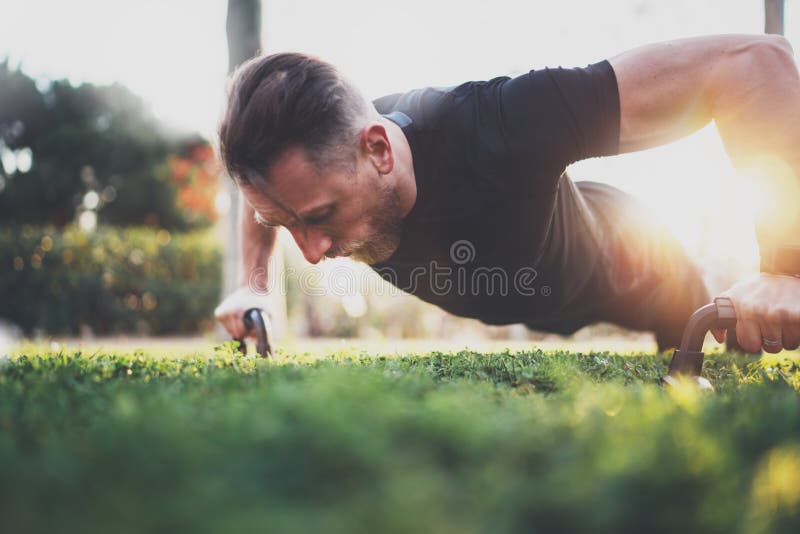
462 442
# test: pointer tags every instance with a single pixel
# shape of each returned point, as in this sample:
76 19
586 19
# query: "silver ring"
771 342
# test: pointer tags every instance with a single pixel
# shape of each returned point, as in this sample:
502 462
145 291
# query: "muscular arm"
258 242
749 86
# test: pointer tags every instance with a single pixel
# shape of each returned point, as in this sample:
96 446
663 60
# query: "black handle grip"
718 314
256 319
688 358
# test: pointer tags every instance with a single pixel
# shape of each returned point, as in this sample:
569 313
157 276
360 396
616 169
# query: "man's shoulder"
429 105
425 105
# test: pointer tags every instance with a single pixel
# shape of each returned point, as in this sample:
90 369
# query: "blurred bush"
112 280
65 148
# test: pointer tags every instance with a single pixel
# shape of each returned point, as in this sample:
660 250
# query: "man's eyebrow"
264 189
316 210
261 220
301 218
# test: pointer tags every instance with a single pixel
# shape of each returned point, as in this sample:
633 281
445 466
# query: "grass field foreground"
463 442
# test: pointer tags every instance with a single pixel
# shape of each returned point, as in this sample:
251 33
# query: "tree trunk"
773 16
243 27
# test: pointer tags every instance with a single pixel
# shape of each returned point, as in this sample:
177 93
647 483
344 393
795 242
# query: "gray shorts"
640 276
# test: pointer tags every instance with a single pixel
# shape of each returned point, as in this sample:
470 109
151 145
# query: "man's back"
495 226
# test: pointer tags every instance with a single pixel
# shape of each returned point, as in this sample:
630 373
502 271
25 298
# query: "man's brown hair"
288 100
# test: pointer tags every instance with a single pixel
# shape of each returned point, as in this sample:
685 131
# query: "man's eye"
319 219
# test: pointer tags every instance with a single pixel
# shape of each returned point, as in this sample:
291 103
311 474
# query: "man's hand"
258 242
767 313
231 310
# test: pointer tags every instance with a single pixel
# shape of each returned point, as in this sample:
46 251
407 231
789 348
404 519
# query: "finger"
235 326
241 330
771 336
229 325
748 334
719 334
791 337
228 320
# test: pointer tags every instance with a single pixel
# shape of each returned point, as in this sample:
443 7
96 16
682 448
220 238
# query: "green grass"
527 442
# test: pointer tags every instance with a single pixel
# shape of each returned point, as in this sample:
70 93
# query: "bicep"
667 90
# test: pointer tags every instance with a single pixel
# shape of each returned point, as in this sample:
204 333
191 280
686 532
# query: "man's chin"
372 255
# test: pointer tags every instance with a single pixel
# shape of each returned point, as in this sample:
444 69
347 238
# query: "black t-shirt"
497 231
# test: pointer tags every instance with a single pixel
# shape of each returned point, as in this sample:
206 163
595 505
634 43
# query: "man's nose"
313 243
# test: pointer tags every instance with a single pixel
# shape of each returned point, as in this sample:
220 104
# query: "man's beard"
387 226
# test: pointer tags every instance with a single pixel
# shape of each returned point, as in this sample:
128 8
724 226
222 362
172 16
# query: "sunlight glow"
91 200
773 192
777 481
87 221
8 160
222 202
24 159
354 305
180 67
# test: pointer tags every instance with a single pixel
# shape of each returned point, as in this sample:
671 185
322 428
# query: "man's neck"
403 171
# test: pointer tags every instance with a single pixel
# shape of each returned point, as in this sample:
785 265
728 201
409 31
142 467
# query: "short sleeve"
549 118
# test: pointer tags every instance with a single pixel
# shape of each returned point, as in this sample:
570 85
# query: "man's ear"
377 147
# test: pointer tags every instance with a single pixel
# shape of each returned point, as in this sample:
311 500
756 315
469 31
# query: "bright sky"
173 53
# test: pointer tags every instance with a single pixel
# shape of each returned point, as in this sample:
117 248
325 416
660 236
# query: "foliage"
195 173
80 139
112 280
528 442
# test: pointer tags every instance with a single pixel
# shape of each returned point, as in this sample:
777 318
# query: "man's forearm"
258 243
748 84
756 107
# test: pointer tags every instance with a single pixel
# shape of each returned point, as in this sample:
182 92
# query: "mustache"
347 250
367 251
